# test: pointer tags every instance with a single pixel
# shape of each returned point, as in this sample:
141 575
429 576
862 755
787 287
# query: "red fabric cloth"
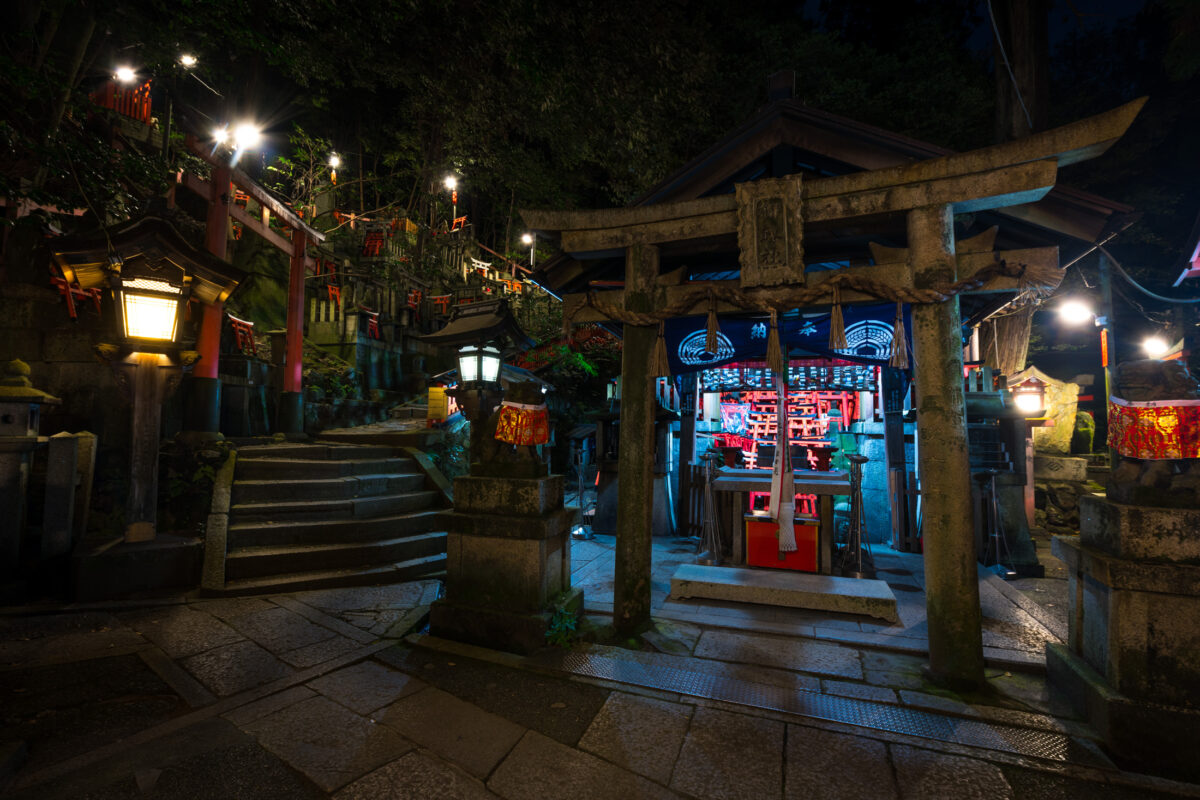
1156 429
521 424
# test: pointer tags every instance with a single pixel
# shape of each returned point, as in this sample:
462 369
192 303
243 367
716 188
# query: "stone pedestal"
1132 662
508 563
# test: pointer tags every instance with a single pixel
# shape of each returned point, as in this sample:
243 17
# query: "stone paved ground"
319 694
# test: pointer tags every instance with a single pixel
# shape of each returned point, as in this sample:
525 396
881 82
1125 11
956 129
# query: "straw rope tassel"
899 340
710 338
837 325
774 351
661 367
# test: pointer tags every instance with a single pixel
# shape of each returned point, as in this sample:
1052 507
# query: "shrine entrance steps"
308 516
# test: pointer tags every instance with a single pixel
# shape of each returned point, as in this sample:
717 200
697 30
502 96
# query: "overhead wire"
1153 295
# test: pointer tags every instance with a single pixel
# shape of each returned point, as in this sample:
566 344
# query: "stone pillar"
20 412
508 563
951 582
635 456
61 474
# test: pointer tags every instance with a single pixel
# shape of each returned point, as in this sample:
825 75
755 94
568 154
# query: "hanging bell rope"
837 325
774 351
899 357
660 367
710 336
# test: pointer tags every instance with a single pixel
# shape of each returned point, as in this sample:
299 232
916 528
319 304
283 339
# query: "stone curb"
216 531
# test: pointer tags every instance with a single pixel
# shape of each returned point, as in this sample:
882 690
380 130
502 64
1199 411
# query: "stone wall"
35 327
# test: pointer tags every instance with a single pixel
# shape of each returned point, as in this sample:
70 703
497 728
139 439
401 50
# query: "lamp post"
529 240
451 183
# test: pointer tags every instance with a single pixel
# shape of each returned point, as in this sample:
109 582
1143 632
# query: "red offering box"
762 544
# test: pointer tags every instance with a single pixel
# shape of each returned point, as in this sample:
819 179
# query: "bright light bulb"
1075 312
221 134
247 136
1155 346
527 239
1027 402
451 182
125 74
187 60
335 160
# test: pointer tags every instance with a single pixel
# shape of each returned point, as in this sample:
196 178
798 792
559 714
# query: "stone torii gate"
768 217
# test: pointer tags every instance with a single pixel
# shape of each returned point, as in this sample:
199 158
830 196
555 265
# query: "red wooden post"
205 412
291 402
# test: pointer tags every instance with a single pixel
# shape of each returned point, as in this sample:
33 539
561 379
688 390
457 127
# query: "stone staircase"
307 516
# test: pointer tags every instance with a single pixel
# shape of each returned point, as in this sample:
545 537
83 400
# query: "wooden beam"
256 226
1040 260
252 188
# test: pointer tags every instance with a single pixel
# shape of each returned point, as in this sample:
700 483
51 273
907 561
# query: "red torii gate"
217 191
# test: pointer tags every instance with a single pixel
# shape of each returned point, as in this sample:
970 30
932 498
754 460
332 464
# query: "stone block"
1156 735
515 574
789 589
1059 468
497 628
507 526
511 496
1140 532
1134 624
118 568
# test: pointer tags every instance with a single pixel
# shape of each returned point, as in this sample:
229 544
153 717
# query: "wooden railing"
133 102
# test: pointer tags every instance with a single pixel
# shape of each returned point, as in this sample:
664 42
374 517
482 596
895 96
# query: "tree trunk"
1025 39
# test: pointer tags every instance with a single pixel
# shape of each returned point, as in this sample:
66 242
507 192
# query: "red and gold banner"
523 424
1154 429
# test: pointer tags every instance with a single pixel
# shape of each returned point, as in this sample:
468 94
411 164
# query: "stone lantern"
508 553
20 410
154 273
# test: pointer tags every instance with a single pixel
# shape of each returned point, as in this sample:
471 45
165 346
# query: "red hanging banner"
1154 429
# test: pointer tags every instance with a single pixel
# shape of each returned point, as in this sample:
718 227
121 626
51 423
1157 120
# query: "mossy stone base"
1139 734
511 631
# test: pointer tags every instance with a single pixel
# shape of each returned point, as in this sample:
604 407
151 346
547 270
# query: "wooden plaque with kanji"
770 232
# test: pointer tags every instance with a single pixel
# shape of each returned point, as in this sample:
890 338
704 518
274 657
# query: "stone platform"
789 589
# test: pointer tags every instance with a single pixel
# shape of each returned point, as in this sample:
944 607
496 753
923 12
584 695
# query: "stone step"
278 534
327 510
789 589
263 561
320 451
355 486
413 569
274 468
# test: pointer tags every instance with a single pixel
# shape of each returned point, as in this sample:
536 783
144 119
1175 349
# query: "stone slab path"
325 694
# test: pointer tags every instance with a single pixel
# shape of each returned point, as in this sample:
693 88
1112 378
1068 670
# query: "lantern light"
1075 312
247 136
1030 397
150 308
478 364
187 60
451 182
335 160
125 75
1155 346
527 239
221 134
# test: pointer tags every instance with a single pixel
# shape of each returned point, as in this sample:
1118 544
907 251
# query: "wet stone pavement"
331 694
